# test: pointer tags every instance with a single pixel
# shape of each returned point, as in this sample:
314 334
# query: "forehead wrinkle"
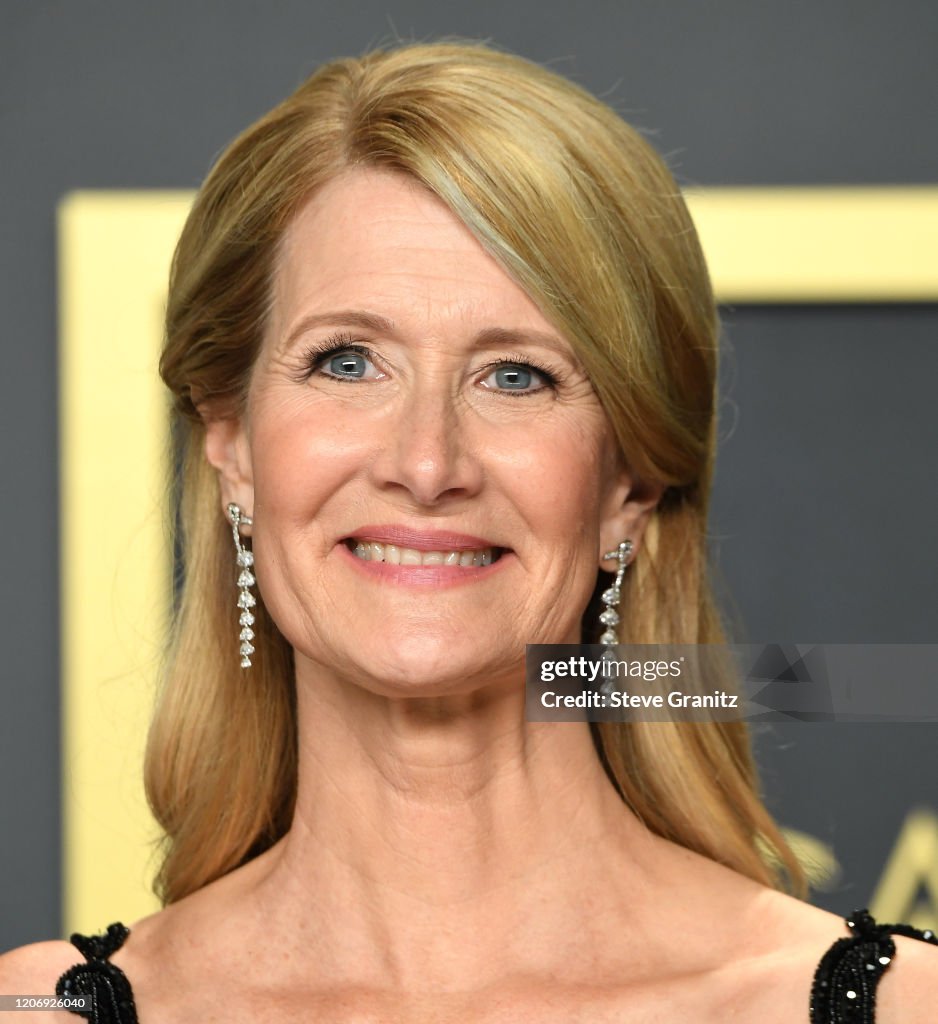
297 281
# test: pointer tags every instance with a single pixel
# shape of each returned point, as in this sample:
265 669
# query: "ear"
628 506
227 449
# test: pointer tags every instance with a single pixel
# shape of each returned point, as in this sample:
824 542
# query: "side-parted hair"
582 213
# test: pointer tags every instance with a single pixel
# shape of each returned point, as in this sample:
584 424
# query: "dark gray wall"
826 492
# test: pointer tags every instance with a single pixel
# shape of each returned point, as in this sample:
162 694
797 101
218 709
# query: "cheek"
558 475
302 453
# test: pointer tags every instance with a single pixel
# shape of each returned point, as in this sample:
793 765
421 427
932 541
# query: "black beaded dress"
843 992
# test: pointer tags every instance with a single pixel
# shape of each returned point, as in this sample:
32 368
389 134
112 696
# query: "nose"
429 452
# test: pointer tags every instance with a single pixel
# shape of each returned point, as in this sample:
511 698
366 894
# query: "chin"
425 665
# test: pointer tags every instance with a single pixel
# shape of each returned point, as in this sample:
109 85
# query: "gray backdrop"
826 492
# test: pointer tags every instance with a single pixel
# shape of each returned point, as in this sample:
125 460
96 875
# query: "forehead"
379 239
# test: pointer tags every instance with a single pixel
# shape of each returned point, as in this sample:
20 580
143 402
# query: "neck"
432 830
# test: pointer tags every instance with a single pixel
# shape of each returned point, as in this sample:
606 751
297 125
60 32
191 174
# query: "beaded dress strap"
845 981
112 1000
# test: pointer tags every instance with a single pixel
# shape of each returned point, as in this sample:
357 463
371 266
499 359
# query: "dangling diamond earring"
612 595
246 601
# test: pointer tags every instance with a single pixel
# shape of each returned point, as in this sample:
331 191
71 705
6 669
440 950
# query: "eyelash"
315 355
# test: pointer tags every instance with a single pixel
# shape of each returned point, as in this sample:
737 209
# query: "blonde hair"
581 212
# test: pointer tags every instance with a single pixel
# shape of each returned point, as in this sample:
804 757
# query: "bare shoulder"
778 943
799 927
37 966
33 970
908 991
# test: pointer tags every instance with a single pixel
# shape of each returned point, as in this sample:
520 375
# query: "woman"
442 340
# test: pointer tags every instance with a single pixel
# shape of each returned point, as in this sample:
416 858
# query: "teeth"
374 551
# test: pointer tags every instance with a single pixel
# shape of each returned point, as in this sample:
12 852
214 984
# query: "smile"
394 554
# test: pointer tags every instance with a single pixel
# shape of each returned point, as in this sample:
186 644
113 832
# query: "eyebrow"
373 322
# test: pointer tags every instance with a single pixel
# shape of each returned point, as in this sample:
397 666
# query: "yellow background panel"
763 245
116 561
820 244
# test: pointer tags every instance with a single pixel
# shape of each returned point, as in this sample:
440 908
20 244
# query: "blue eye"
343 362
517 377
348 364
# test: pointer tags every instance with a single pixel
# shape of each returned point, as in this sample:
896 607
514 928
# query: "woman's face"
431 476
